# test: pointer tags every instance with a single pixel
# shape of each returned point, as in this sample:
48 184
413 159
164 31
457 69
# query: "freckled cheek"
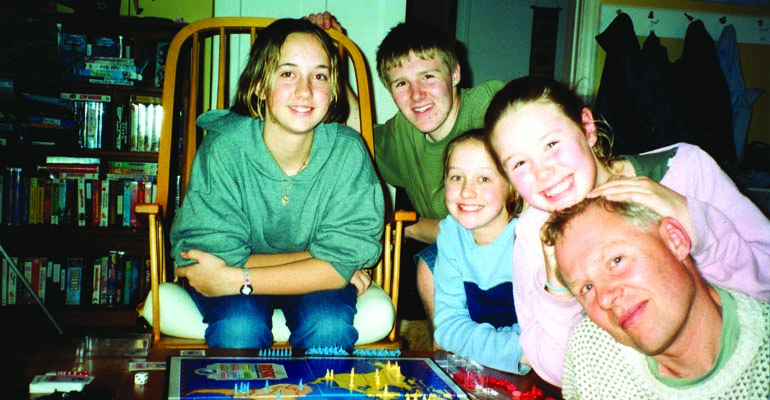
401 100
450 194
520 183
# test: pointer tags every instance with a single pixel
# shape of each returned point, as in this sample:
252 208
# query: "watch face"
246 290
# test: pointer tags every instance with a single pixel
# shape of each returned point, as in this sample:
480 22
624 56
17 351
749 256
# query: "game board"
308 377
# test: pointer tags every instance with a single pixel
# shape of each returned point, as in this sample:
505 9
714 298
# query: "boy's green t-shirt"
407 159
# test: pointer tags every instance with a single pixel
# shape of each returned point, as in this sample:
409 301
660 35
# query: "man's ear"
675 236
589 126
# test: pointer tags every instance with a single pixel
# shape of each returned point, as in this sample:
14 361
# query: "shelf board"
72 316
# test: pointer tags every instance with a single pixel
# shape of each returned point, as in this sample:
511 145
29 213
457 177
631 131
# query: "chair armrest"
148 208
401 216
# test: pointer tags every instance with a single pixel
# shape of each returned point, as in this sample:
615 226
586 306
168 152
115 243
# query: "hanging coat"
704 95
636 96
742 99
615 99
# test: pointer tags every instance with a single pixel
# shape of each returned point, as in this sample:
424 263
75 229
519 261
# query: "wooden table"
111 372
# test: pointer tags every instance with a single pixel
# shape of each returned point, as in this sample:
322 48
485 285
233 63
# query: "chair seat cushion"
180 316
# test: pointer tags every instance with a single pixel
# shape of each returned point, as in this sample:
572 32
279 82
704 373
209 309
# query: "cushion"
374 317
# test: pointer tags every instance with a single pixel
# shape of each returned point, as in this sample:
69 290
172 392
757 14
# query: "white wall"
497 35
366 22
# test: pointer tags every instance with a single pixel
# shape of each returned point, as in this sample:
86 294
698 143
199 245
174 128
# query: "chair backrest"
198 79
204 48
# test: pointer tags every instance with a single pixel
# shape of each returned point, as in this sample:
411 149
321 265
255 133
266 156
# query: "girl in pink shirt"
555 154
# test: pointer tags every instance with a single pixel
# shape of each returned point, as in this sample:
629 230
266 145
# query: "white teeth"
302 109
464 207
558 188
421 109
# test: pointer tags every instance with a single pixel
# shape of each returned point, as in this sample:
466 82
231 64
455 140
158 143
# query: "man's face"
425 93
627 279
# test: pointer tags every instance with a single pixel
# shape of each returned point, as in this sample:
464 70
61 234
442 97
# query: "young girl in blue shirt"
474 310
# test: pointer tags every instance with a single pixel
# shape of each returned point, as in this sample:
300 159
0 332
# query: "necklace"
286 190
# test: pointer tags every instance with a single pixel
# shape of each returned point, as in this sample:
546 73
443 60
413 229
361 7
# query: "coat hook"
689 17
723 20
650 17
619 11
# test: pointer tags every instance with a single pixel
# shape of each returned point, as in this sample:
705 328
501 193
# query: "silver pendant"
285 200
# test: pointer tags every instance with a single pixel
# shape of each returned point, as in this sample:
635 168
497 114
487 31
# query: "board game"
191 377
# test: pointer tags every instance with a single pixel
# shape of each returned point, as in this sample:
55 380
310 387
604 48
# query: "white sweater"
598 367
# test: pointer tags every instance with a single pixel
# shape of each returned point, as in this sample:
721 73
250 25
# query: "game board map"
308 377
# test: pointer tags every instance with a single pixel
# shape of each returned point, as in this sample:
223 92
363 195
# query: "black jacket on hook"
704 94
647 101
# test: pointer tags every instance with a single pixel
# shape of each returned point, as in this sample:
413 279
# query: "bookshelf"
34 129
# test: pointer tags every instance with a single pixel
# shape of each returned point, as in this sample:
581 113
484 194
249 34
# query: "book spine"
135 277
120 277
112 272
35 281
55 168
48 122
127 203
127 281
133 167
47 198
78 175
96 195
149 127
50 283
56 292
97 282
87 97
134 128
24 203
81 202
122 117
61 205
74 280
141 124
156 129
63 282
133 220
67 161
27 265
12 284
104 204
116 203
3 201
131 177
41 287
104 280
32 204
4 283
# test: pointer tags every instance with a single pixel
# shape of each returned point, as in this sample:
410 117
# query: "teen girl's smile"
301 90
546 157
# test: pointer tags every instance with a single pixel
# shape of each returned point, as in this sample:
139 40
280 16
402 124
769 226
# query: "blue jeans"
316 319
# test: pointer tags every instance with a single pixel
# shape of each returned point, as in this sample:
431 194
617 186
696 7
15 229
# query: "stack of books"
109 70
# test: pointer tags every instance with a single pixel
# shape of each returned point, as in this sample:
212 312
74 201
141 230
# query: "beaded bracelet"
554 288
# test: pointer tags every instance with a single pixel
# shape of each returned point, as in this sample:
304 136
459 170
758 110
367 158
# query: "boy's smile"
425 91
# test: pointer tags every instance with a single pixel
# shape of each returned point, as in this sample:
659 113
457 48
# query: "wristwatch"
246 289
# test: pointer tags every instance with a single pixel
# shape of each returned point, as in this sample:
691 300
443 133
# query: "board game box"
191 377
